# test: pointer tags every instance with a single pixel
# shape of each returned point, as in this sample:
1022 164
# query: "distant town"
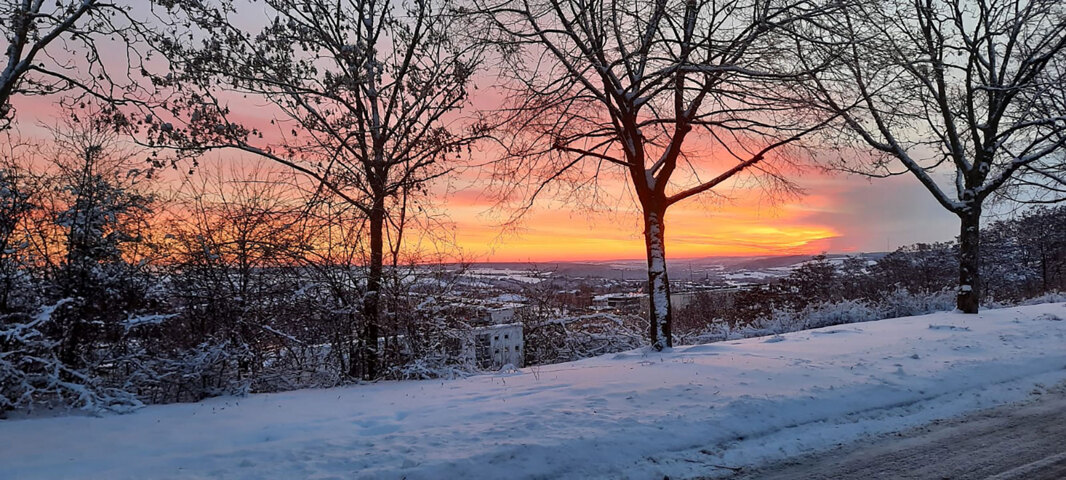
498 290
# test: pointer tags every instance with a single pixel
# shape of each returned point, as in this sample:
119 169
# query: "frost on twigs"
32 375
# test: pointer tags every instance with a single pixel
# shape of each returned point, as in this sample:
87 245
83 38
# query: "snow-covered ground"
631 415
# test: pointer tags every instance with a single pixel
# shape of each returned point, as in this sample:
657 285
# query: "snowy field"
683 413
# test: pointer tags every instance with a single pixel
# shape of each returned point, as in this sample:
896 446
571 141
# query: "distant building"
682 300
632 302
619 301
497 346
499 315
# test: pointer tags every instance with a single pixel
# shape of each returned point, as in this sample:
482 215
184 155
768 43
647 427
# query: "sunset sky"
839 213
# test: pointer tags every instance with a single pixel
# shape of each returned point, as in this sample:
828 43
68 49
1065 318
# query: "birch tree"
635 88
969 88
366 96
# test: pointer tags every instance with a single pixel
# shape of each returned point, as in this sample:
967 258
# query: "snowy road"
1014 442
635 415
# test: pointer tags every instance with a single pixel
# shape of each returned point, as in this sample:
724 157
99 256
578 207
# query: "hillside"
681 413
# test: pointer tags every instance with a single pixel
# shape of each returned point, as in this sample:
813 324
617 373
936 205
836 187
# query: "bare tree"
367 95
1042 181
234 238
99 206
972 87
58 45
653 92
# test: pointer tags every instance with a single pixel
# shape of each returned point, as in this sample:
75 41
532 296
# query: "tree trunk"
371 300
659 311
969 260
1044 271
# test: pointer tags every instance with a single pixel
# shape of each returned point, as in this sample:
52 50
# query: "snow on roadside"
631 415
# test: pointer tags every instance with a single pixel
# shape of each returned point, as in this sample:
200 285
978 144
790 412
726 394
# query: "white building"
499 345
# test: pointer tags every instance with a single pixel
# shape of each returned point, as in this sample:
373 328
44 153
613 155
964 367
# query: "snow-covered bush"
716 331
426 338
835 313
1050 297
33 375
205 370
897 303
565 339
439 359
433 366
902 303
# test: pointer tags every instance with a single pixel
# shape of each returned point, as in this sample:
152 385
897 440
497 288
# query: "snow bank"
680 413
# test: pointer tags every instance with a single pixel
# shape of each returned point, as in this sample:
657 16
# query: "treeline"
116 291
1021 258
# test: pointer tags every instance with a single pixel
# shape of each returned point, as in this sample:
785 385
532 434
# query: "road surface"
1012 442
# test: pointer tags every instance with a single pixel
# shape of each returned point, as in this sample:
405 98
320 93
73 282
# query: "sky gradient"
839 213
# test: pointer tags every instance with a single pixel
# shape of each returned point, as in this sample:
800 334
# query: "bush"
32 374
